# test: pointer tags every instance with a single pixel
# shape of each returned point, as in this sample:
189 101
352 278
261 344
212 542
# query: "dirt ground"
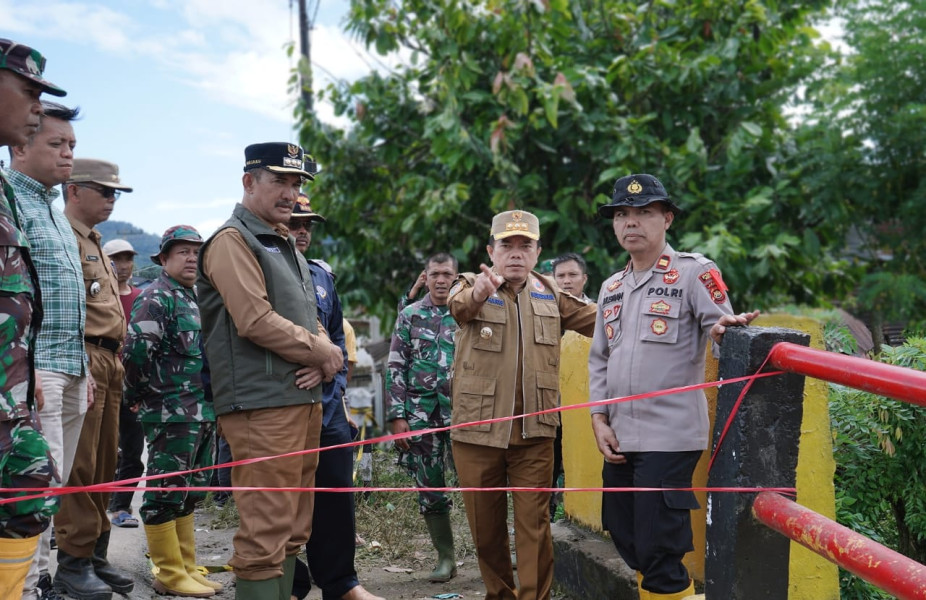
392 579
393 561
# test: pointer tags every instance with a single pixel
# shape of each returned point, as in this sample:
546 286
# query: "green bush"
880 450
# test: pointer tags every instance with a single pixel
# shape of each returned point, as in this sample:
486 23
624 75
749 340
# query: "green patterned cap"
27 62
177 233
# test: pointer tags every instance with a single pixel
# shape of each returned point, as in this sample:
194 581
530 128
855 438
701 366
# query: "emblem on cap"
634 187
485 333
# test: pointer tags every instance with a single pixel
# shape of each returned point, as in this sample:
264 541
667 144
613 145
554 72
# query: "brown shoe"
358 593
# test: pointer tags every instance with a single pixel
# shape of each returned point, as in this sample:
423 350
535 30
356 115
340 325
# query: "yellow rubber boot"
172 578
688 591
15 560
644 595
188 551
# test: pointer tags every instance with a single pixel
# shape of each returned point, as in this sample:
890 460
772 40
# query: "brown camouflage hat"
302 209
177 233
26 62
93 170
515 222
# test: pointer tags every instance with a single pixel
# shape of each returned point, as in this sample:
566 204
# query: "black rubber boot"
76 578
105 571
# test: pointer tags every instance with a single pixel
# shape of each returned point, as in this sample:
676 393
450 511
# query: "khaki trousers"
62 421
274 525
524 465
82 518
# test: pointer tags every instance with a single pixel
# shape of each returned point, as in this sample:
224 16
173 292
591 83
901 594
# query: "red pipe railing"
889 570
872 376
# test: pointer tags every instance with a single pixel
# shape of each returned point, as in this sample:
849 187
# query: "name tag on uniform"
272 249
496 301
93 258
542 296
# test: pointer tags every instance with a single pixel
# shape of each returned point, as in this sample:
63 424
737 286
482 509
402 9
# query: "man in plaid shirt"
37 167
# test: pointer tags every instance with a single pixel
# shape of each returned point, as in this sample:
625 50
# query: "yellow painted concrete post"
811 576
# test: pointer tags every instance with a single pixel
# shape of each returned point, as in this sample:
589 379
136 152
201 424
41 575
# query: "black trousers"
330 550
130 465
652 530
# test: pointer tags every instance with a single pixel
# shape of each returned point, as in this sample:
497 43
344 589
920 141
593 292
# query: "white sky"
173 90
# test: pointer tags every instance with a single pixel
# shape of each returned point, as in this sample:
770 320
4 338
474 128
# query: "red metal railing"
895 382
881 566
889 570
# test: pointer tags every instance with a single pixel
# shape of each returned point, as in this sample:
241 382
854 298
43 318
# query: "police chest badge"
614 285
671 277
485 333
538 286
659 326
609 330
660 308
322 292
95 289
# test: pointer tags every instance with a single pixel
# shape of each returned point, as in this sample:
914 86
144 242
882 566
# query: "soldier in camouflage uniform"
418 382
25 460
163 361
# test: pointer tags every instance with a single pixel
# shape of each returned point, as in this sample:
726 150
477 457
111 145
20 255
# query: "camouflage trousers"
174 447
25 462
428 460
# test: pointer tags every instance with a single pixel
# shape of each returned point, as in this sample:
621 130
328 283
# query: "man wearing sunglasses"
81 527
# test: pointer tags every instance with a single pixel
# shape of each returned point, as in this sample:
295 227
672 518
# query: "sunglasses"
297 224
106 192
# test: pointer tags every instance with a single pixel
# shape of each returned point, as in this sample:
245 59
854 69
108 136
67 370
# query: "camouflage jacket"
20 312
420 358
163 355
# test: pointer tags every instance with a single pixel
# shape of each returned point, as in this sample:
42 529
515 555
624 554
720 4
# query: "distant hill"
144 243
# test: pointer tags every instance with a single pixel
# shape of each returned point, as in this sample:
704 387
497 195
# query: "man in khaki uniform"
82 527
506 363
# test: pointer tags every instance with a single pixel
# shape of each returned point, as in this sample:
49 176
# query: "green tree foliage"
862 151
541 105
881 465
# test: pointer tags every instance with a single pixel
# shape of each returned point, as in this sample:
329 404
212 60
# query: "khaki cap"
118 246
93 170
515 222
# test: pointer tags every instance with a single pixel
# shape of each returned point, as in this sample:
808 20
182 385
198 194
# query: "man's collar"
32 186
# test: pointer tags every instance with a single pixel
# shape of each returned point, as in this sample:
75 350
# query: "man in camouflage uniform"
419 398
163 362
25 460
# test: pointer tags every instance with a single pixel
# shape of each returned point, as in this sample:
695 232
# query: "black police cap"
636 190
278 157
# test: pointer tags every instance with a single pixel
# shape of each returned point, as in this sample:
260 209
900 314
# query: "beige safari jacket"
485 369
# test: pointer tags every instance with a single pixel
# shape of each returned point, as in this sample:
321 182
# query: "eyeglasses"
297 224
106 192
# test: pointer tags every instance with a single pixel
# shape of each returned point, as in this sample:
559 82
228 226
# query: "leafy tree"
541 105
881 465
863 152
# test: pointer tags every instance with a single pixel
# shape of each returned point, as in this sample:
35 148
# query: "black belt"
105 343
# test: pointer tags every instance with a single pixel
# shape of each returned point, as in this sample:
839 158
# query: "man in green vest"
269 356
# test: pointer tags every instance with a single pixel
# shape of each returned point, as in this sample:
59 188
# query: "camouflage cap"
101 172
279 157
303 209
113 247
515 222
177 233
28 63
636 190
